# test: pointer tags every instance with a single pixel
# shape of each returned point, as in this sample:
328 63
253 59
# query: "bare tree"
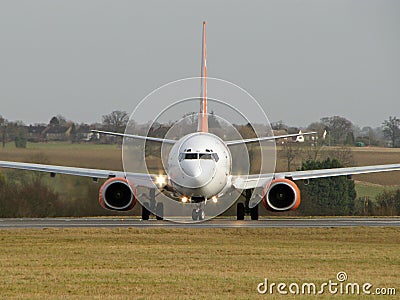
313 151
366 135
62 120
3 126
58 120
339 128
17 132
290 150
391 130
191 118
279 125
54 121
318 127
116 121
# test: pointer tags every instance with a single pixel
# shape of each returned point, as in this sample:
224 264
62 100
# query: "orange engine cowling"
117 194
281 195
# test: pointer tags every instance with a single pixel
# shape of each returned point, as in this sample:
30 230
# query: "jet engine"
117 194
281 195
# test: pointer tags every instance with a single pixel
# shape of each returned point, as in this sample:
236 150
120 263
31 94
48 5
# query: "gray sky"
302 60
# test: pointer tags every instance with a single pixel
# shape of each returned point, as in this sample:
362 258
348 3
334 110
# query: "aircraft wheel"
201 214
254 212
195 215
160 211
240 211
145 211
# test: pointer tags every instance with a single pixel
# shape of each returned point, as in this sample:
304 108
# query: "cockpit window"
191 156
215 156
205 156
212 156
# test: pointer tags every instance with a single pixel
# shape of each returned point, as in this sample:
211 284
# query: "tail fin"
203 117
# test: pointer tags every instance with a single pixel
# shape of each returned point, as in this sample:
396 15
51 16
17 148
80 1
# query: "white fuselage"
199 165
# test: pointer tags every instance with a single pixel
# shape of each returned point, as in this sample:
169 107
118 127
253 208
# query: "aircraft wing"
229 143
139 179
267 138
139 137
311 174
254 181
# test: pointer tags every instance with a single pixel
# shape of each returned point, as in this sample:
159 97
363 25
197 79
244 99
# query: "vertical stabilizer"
203 117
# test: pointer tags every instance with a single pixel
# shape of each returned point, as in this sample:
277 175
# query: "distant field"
60 153
375 155
190 263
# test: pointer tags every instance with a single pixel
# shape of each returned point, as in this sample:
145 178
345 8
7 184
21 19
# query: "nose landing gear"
198 213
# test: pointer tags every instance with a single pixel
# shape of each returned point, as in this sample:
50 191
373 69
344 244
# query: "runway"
215 223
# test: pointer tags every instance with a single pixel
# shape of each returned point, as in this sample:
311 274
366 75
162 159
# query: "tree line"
336 130
60 129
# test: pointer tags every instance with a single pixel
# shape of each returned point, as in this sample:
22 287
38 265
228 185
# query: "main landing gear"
147 207
243 209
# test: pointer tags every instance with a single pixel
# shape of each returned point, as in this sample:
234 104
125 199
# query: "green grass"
366 189
189 263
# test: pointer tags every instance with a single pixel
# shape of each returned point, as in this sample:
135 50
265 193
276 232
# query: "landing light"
214 199
184 199
161 181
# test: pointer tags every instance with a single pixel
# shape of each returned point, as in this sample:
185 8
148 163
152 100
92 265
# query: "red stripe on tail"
203 117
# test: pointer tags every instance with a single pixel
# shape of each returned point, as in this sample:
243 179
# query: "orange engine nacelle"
281 195
117 194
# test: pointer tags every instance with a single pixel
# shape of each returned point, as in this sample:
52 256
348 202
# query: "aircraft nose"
192 170
197 173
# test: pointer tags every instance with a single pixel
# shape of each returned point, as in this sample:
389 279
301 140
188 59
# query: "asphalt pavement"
128 222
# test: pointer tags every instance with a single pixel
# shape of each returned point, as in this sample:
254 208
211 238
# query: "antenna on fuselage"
203 117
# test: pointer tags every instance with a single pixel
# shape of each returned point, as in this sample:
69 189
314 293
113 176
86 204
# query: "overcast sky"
302 60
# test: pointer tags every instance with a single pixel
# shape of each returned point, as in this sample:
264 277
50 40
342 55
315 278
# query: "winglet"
203 117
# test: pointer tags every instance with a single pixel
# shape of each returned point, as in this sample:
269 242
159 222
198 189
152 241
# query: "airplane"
199 170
